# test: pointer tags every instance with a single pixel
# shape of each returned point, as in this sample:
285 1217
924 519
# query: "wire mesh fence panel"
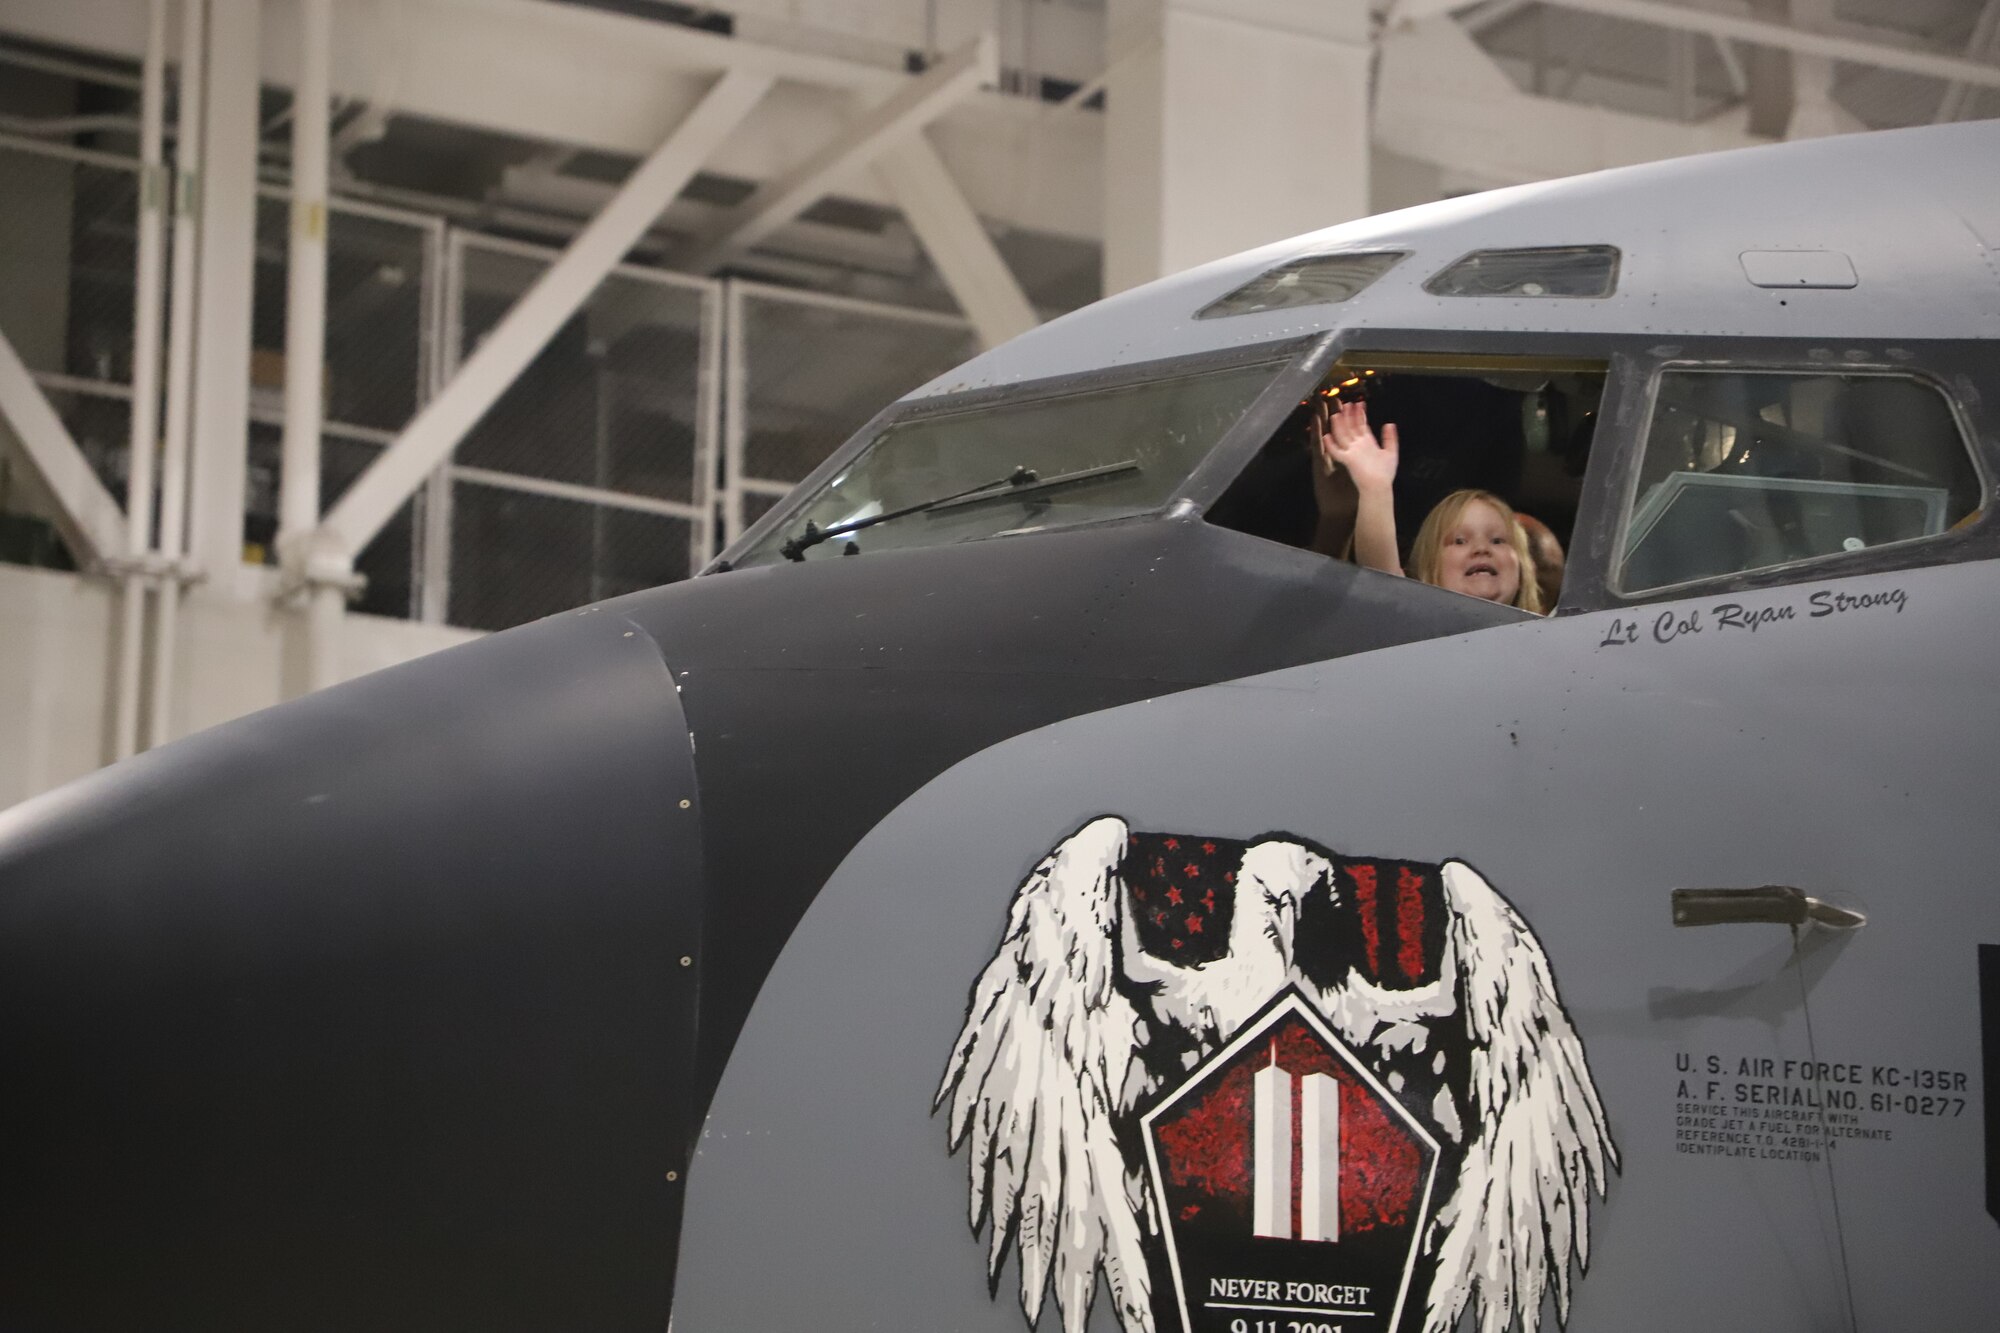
811 370
384 563
69 227
613 401
379 327
101 424
756 505
68 249
518 556
375 313
597 453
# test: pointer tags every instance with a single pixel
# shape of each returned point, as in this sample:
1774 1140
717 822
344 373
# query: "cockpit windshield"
1018 464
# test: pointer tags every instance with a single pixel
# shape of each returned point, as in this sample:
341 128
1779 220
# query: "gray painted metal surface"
1839 753
1917 218
878 826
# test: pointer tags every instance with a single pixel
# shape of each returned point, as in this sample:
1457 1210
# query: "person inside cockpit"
1470 542
1546 550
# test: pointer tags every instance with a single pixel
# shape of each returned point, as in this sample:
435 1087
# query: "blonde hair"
1427 553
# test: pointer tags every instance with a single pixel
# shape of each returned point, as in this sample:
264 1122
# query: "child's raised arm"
1345 440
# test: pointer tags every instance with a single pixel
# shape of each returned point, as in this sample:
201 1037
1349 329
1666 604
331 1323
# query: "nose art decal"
1244 1082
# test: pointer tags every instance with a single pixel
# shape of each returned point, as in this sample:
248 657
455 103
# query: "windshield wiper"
812 535
1056 482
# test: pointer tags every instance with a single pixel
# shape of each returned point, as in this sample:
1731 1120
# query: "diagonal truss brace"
952 234
90 520
430 437
905 113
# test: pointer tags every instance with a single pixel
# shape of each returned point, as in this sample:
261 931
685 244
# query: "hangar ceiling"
1606 60
1040 128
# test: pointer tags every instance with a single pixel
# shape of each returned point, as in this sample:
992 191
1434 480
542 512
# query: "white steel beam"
1404 12
952 234
1492 14
436 430
1846 45
892 121
1439 98
509 67
89 519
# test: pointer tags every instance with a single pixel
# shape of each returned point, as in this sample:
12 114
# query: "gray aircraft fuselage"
1235 938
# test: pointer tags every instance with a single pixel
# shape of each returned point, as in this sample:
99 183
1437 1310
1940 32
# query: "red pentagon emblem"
1292 1186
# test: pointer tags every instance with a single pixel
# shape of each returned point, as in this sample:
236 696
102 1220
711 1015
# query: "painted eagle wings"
1044 1063
1540 1143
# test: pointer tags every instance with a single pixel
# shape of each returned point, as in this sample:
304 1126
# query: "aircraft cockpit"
1723 466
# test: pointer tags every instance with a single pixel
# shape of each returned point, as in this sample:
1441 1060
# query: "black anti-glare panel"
1314 280
1555 270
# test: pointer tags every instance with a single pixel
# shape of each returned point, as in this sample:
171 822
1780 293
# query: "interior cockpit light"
1554 270
1313 280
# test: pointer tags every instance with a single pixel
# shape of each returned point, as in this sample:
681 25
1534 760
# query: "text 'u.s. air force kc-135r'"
1024 884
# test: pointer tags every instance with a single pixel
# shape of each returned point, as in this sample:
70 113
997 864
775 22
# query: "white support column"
172 535
702 544
228 243
893 121
145 437
952 234
735 411
89 519
305 293
443 338
436 430
305 344
1206 105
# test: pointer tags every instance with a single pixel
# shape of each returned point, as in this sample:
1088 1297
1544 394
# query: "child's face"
1478 558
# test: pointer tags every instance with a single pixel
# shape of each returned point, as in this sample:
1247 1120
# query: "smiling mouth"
1481 568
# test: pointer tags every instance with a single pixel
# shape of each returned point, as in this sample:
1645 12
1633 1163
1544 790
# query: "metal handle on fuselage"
1774 904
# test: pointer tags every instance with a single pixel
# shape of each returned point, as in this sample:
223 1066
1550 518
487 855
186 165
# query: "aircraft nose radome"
366 1011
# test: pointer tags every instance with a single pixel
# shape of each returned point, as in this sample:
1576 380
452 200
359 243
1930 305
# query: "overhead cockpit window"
1746 471
1314 280
1558 270
1013 465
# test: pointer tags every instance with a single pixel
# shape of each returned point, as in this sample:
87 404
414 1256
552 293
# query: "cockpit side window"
1517 427
1756 470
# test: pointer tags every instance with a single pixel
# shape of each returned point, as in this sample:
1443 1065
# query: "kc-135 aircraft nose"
400 1004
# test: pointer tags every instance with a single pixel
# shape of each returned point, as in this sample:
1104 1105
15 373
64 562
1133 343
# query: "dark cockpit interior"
1520 431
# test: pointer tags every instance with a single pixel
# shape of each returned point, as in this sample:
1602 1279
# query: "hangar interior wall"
236 657
908 180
